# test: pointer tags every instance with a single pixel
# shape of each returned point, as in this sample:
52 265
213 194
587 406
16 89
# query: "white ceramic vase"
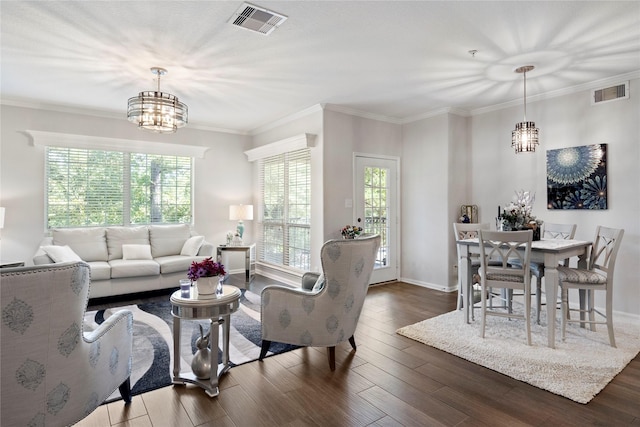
207 285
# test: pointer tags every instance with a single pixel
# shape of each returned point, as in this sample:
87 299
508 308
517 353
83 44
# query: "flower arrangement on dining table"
205 268
517 215
351 231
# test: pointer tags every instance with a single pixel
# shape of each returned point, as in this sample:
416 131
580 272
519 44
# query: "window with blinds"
94 187
284 226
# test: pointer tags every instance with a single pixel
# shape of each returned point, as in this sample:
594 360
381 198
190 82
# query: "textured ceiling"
392 59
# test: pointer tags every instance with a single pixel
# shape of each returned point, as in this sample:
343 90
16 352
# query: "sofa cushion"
192 245
118 236
136 252
168 239
100 270
133 268
89 243
175 263
61 253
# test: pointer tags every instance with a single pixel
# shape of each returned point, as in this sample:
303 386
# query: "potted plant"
206 275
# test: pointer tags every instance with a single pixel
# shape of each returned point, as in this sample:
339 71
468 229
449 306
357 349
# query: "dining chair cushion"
579 275
503 277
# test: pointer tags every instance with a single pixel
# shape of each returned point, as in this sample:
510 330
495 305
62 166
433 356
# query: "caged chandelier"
525 136
157 111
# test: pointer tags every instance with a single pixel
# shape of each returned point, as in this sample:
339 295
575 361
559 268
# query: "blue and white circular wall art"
577 177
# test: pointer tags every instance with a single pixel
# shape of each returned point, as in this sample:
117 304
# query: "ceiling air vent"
612 93
257 19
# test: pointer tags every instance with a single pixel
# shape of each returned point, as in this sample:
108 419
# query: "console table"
216 308
249 258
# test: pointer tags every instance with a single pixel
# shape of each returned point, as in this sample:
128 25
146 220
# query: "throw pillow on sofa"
118 236
61 253
136 252
192 246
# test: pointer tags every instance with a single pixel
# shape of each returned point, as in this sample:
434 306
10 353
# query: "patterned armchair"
54 373
328 313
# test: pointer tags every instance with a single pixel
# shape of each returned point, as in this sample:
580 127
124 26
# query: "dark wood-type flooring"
389 381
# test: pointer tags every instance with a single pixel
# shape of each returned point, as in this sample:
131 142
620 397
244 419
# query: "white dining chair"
549 231
463 231
498 247
598 276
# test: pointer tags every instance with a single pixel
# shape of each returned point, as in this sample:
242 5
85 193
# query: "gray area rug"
578 368
153 340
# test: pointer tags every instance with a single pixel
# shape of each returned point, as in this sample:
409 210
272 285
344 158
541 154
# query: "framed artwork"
577 177
468 213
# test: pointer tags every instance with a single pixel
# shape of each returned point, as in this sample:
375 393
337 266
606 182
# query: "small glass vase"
219 290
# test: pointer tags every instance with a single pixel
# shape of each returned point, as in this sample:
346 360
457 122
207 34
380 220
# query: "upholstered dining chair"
54 372
463 231
549 231
327 313
598 276
501 246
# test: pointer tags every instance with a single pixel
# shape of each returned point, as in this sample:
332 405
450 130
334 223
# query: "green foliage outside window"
95 187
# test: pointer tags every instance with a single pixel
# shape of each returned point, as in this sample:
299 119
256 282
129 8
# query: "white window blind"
97 187
284 226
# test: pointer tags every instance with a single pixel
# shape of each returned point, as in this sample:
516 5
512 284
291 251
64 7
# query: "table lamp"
240 213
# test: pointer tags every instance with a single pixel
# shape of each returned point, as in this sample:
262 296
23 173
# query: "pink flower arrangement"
205 268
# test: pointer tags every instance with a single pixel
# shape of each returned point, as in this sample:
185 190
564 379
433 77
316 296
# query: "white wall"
568 121
425 197
345 135
222 178
459 182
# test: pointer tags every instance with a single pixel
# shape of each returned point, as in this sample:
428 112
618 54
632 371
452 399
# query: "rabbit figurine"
201 363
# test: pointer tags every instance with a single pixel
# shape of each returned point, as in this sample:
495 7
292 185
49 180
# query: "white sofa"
126 260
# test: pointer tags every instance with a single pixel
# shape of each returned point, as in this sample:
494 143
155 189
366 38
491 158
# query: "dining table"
548 251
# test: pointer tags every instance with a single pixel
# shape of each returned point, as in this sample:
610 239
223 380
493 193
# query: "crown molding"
363 114
609 81
287 119
436 113
74 109
96 112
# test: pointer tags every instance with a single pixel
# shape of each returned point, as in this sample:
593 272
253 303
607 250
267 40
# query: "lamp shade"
240 212
1 217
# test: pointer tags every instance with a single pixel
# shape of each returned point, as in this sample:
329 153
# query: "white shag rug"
578 368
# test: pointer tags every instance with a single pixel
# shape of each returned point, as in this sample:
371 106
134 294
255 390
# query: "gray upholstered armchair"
326 313
54 373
